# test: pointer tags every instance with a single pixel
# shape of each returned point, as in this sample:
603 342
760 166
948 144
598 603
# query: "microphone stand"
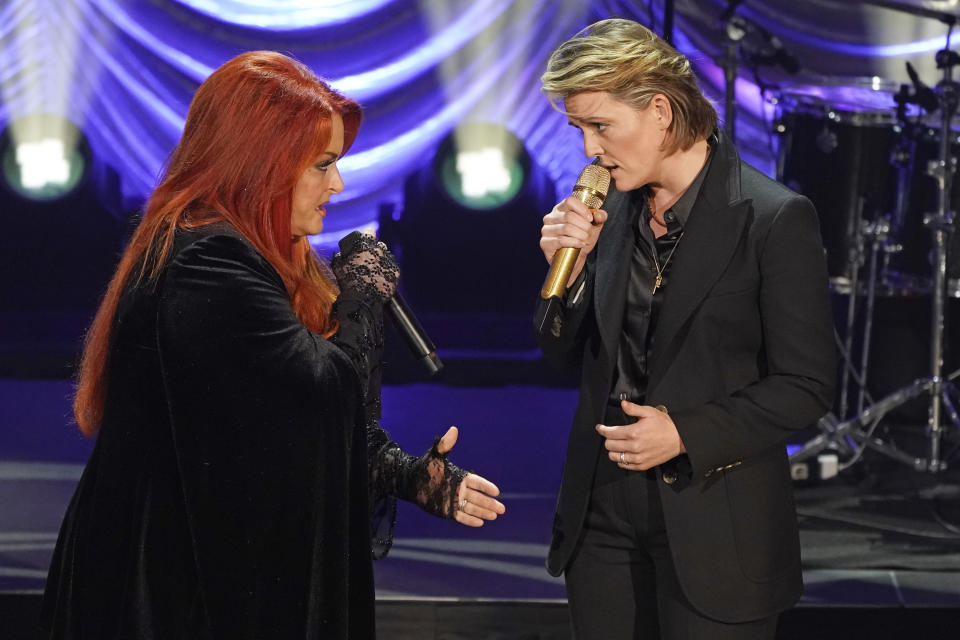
668 12
734 30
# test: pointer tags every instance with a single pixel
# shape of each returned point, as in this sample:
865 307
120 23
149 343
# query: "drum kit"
878 161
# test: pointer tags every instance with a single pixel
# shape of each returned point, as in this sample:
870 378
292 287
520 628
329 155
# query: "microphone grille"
595 179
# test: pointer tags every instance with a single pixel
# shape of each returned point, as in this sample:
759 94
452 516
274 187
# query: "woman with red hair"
240 482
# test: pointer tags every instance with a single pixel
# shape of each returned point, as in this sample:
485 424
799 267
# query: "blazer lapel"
710 237
612 269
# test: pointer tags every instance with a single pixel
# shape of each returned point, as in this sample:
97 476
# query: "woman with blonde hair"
699 316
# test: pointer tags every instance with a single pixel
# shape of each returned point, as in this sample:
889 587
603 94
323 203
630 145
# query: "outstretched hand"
476 495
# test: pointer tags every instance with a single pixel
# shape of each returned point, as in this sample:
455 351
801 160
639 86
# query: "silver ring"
463 503
622 461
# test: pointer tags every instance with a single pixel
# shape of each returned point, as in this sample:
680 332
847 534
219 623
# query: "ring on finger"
463 504
622 460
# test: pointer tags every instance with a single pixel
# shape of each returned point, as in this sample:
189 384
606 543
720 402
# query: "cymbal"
924 12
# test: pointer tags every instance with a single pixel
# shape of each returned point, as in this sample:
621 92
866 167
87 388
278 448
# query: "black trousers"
621 583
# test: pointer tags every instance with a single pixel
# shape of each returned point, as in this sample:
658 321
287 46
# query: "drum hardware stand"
878 232
902 155
848 437
855 257
853 436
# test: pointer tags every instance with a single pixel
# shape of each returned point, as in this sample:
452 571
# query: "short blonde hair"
633 64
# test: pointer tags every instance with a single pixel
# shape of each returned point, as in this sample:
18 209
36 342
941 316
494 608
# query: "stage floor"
878 536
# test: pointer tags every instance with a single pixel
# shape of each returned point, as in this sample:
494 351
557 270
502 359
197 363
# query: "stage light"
481 166
44 157
476 208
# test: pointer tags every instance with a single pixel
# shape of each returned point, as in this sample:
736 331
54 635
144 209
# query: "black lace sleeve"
360 336
430 481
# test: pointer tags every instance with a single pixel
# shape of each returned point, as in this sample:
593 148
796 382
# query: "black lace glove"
430 481
367 273
366 267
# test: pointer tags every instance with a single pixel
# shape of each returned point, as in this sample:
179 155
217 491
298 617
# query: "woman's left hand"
476 495
651 440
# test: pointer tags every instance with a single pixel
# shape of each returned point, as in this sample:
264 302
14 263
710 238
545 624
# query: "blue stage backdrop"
124 71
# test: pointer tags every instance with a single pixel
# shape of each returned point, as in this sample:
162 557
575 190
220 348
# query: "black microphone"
776 53
403 318
925 97
729 11
787 61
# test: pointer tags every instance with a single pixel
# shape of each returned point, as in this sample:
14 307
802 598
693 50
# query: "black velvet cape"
226 495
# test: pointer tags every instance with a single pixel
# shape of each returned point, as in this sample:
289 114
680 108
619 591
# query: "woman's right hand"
571 224
368 268
476 496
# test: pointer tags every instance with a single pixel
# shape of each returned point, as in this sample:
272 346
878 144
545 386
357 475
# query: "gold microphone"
591 189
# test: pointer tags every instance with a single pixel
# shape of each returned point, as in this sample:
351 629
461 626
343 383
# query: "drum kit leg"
870 245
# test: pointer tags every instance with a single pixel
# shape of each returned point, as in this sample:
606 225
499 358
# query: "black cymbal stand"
940 223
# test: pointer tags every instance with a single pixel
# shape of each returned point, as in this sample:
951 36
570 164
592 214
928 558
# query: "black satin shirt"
643 305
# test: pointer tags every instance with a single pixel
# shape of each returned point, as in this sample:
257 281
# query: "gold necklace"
652 205
656 285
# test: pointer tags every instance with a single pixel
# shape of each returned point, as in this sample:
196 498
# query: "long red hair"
252 128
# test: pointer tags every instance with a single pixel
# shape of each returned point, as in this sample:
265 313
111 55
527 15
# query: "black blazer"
742 355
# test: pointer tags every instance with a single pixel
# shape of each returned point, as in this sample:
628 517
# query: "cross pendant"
656 285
